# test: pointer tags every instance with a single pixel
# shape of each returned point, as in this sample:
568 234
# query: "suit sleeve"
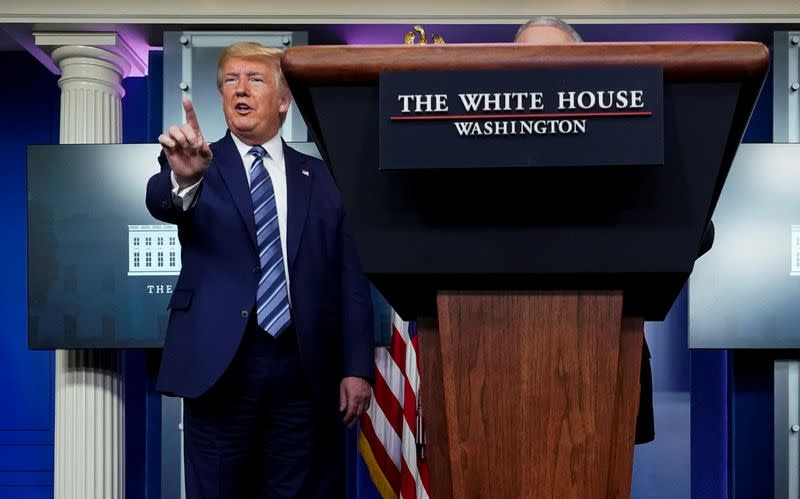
358 342
159 199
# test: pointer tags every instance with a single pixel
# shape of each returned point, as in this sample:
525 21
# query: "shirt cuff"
183 198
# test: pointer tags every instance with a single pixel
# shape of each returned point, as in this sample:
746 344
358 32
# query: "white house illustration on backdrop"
153 250
795 250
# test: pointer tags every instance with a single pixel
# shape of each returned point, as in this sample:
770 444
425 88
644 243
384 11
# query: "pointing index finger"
191 117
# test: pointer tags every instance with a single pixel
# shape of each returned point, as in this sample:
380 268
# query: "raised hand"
187 151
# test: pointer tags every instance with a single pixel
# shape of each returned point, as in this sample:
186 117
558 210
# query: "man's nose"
241 87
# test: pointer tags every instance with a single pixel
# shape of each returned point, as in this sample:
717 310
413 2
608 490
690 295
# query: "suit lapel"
298 194
230 166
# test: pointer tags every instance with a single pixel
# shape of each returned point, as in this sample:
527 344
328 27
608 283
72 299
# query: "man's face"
251 99
544 35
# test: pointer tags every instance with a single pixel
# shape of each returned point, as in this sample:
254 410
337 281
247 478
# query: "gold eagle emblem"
411 37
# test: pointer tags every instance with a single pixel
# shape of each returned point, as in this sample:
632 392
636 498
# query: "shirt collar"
273 146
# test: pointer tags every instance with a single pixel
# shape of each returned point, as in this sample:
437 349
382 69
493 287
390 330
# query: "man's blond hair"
271 56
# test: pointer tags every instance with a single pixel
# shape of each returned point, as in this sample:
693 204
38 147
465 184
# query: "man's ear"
285 102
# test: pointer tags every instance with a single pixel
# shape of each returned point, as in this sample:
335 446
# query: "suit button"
244 314
164 204
256 269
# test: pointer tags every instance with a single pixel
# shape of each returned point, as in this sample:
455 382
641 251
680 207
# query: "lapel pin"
305 172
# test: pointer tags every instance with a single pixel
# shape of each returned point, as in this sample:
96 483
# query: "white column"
90 398
91 94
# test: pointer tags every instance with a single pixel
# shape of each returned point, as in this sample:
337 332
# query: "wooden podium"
531 307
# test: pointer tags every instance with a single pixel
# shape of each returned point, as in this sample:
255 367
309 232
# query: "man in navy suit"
269 339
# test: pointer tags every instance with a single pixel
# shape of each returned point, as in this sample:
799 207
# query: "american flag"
392 438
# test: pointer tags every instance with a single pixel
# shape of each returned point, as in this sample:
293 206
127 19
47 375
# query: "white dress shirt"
276 168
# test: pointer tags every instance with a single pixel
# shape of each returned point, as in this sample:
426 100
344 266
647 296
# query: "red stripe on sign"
619 114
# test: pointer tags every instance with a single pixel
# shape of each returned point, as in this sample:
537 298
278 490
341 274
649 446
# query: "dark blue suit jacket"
215 293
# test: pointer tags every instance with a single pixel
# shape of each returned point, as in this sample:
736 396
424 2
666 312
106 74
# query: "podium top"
684 61
633 228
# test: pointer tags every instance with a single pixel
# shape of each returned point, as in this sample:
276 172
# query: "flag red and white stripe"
391 428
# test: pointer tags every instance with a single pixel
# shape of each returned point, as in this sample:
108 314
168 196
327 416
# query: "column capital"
100 57
83 65
110 47
92 66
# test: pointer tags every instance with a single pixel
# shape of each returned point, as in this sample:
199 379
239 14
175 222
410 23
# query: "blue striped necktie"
272 297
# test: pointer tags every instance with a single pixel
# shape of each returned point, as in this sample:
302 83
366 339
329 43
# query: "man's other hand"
355 395
187 151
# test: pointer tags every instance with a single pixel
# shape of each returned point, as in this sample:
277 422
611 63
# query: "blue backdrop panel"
27 491
30 107
710 411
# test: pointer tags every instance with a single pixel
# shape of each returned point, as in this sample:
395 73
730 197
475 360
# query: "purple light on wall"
132 46
136 40
393 34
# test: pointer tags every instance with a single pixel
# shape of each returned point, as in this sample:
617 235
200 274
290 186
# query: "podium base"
530 395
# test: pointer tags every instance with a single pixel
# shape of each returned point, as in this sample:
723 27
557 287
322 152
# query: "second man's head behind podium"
543 30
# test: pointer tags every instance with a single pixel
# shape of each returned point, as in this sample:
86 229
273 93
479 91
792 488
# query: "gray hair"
550 21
